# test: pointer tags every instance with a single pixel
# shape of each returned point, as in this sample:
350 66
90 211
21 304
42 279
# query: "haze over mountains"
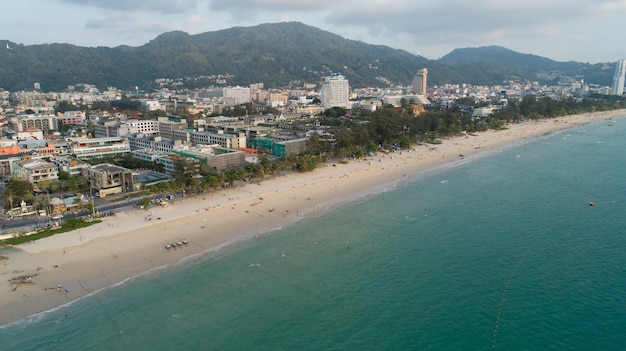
275 54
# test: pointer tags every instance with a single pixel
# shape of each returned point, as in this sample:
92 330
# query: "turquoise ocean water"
500 253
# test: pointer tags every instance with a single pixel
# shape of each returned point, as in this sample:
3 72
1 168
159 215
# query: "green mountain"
490 63
275 54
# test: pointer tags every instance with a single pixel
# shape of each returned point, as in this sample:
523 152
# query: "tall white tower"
335 92
618 79
419 82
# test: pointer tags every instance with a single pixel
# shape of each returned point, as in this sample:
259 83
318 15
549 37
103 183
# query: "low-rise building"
167 127
9 162
71 165
226 140
483 111
97 147
76 118
37 171
167 160
158 143
290 147
106 179
43 122
216 158
30 133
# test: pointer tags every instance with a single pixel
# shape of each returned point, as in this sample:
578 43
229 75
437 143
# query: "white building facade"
420 81
335 92
619 78
237 95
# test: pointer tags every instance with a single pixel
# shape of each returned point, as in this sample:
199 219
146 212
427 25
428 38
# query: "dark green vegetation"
197 180
127 161
532 107
491 65
275 54
68 225
390 128
18 190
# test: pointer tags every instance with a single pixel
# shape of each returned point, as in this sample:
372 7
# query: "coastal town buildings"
177 123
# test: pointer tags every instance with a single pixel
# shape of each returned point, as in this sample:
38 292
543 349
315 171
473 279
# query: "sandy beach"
65 267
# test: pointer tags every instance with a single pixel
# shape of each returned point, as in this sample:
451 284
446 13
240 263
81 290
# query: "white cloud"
275 5
422 24
160 6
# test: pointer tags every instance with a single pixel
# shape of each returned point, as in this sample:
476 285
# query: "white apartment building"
31 133
335 92
152 105
167 127
420 81
620 77
70 165
236 95
229 141
483 111
43 122
157 143
132 126
97 147
115 128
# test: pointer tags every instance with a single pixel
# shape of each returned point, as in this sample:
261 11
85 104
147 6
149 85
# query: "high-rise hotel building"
419 82
335 92
618 79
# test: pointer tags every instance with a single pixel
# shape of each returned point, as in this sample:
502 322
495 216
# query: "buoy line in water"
530 248
106 311
347 309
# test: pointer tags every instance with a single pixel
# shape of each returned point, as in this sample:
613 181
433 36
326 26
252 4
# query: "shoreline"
67 267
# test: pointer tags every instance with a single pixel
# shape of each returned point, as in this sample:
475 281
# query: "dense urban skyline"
578 30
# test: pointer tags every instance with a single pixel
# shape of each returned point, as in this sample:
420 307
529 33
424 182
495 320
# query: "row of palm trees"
253 172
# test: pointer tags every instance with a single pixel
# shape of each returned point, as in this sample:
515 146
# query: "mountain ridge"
276 54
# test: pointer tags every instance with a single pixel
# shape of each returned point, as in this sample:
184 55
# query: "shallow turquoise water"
500 253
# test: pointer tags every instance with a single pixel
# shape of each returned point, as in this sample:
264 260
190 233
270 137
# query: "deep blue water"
500 253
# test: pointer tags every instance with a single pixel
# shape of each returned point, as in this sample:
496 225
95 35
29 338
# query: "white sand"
126 245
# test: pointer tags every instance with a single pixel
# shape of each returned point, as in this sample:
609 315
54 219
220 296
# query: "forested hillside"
275 54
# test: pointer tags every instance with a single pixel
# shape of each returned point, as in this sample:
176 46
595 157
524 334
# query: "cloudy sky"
580 30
